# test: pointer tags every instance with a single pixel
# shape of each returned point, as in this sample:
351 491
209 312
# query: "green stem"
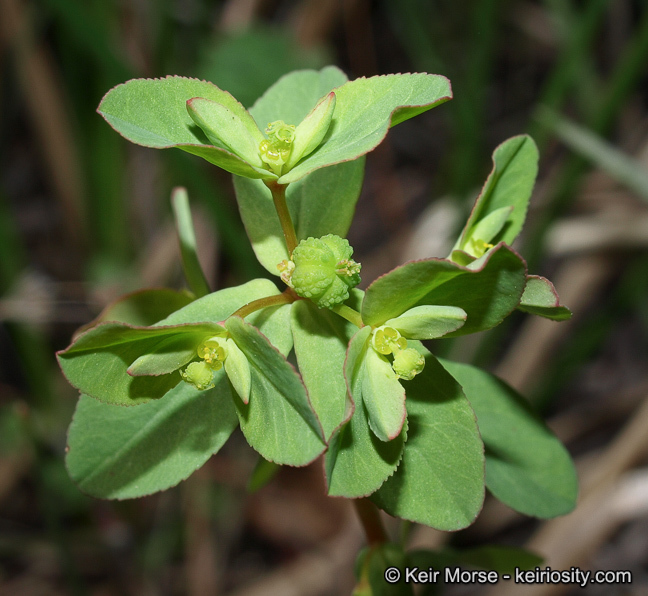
371 522
279 198
406 526
247 309
353 316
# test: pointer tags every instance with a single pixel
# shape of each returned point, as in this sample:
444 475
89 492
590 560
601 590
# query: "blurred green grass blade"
574 56
36 361
624 169
419 32
586 84
471 86
630 68
88 28
247 62
110 220
432 46
29 343
562 14
264 471
186 171
188 248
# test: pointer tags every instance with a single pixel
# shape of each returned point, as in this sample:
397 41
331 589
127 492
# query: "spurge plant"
395 427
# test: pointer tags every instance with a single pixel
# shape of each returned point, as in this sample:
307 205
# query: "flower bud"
324 270
199 374
408 363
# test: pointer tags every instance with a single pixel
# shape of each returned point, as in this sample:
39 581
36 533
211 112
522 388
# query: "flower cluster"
407 362
322 269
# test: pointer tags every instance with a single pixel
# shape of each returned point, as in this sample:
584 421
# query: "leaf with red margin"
153 113
321 338
508 186
383 396
97 361
527 467
124 453
488 289
357 462
440 480
540 298
365 110
279 421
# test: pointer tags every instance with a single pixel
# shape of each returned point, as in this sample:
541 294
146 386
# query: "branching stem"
353 316
284 298
279 198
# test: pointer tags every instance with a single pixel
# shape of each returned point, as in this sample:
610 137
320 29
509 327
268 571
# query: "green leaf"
488 289
294 95
263 473
383 396
123 453
503 559
488 227
168 355
357 463
510 183
440 480
218 306
319 204
540 298
97 362
144 307
153 113
321 339
279 421
526 465
273 322
380 558
364 111
428 321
